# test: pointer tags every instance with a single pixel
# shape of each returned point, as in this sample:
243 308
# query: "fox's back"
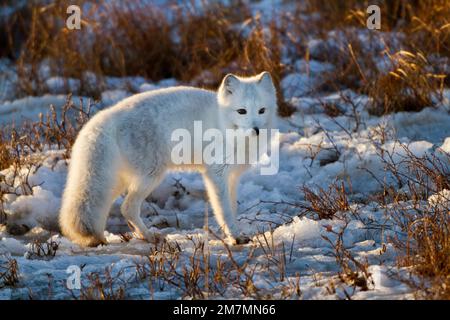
170 102
143 124
168 109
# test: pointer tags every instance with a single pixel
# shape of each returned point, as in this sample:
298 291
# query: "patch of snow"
440 199
111 97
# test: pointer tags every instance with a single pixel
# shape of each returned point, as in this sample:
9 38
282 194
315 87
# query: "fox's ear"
229 83
265 80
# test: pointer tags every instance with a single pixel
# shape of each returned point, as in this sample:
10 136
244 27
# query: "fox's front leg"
216 180
233 181
233 184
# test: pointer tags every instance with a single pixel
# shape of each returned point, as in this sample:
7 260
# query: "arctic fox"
127 148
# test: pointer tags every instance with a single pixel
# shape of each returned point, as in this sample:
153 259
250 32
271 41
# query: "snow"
12 246
61 85
41 208
316 151
29 108
308 77
441 199
446 145
177 207
111 97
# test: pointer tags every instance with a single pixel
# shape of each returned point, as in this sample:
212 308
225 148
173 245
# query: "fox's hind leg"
138 190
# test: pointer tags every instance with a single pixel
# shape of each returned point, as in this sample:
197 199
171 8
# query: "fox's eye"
241 111
262 110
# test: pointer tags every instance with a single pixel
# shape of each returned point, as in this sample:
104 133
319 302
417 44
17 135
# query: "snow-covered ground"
315 151
288 247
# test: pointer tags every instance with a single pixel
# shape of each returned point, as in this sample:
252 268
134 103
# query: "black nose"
256 130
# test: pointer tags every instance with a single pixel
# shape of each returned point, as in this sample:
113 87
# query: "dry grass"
56 129
130 40
136 39
423 239
326 203
417 56
200 45
424 246
42 250
106 285
353 271
9 273
206 275
197 277
21 148
410 86
195 274
428 253
427 246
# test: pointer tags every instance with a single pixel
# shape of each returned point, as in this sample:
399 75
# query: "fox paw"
151 237
155 237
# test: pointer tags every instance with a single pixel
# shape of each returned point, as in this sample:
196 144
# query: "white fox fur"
127 148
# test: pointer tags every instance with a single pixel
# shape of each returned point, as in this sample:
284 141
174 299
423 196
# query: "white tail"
88 194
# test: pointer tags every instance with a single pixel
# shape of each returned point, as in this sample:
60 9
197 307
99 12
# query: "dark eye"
262 110
241 111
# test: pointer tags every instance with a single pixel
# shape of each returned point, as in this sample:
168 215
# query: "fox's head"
247 103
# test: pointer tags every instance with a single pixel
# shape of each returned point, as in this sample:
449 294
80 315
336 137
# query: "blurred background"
197 42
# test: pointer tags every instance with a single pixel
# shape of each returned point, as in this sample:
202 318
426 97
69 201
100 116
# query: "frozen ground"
177 207
316 151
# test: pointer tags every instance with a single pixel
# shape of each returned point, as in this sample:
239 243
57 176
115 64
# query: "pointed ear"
229 84
265 80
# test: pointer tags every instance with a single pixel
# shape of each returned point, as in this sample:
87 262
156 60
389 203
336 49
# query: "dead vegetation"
136 39
421 212
106 285
326 203
195 274
201 277
409 86
415 199
427 248
402 67
56 129
22 149
425 223
9 273
198 45
42 250
208 45
353 271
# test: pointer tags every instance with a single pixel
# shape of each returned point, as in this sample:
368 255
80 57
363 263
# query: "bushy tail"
87 197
